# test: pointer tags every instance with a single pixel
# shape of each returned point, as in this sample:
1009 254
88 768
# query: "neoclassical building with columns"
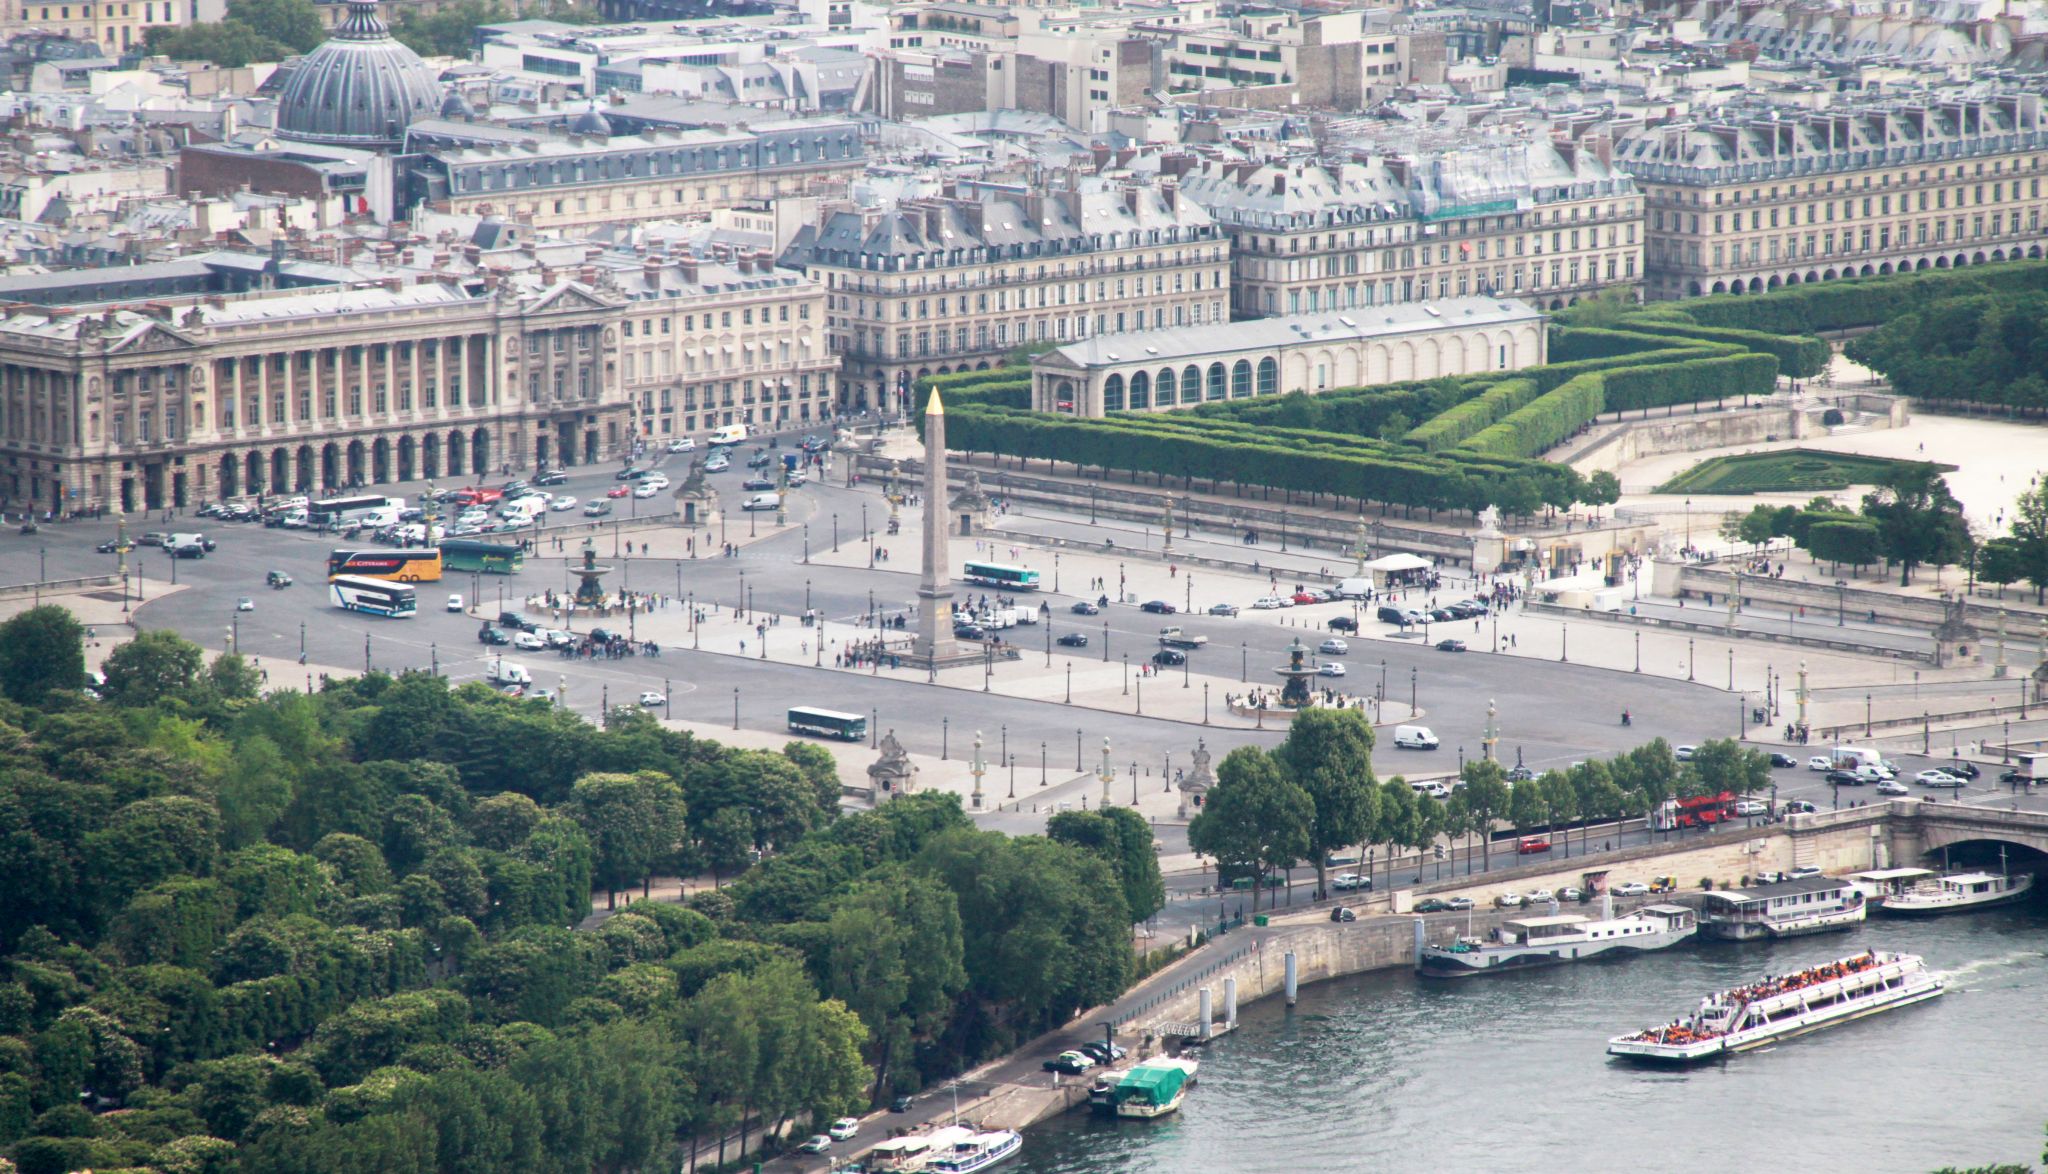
184 400
1157 370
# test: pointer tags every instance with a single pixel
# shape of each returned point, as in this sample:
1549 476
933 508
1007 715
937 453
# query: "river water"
1509 1073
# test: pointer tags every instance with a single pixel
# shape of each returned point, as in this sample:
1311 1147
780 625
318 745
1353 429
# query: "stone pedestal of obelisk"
935 647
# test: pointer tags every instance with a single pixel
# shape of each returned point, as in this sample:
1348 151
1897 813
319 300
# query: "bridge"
1904 831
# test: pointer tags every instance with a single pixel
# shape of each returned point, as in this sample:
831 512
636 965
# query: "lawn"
1795 470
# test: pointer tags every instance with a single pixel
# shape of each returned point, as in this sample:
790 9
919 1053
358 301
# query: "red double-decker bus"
1698 811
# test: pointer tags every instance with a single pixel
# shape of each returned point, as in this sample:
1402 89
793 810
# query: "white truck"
506 673
1178 638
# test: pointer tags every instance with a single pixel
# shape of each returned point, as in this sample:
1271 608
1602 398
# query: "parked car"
1169 656
1342 914
1390 615
1084 608
1450 646
1072 640
551 477
1632 889
817 1143
1158 607
1431 905
1223 609
1459 904
1304 598
844 1129
1330 668
1531 845
1520 774
1269 603
1508 900
1540 896
1072 1063
902 1102
1104 1053
1333 647
1344 882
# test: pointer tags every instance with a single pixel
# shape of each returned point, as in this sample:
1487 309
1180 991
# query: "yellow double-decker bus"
397 566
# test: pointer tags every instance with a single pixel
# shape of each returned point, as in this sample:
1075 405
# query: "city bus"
341 511
402 566
490 558
998 575
375 596
826 723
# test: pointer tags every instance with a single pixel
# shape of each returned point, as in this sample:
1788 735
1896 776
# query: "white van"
729 435
507 673
1431 790
1859 757
1414 738
761 501
1353 588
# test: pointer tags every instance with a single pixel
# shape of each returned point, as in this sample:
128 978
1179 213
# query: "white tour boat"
1546 941
1813 904
1958 892
977 1151
1781 1007
1879 885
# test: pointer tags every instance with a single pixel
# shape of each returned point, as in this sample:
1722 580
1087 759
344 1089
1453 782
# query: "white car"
1821 763
652 699
1571 893
1508 900
1333 647
844 1129
1750 807
1268 603
658 480
817 1143
564 502
1685 753
455 603
1632 889
644 490
682 444
245 604
1541 896
529 642
1330 668
1939 778
1345 881
1893 787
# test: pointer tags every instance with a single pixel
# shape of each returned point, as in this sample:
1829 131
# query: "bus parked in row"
401 566
375 596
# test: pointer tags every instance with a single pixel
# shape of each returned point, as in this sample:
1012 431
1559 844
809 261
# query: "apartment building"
957 283
1547 222
1766 197
729 339
114 25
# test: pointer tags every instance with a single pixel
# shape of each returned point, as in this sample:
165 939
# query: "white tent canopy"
1395 563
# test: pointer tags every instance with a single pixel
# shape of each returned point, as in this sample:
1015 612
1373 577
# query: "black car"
1085 608
1431 905
516 622
1342 914
1102 1053
108 547
1520 774
1061 1064
1072 640
489 635
1343 624
629 473
193 551
1450 646
1158 607
1389 615
968 632
551 477
1779 758
757 483
1443 615
1172 656
760 460
1844 778
902 1102
512 487
1961 769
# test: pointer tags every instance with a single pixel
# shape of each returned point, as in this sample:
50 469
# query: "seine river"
1386 1072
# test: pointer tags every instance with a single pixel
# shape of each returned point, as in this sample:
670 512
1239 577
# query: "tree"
151 667
634 822
1561 799
1255 817
2003 561
295 24
41 649
1758 526
893 953
1918 520
1527 805
1486 799
1122 838
1723 765
2030 533
229 44
1328 754
1602 488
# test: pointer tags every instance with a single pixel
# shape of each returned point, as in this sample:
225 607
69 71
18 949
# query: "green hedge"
1801 356
1691 381
1574 343
1864 301
1474 414
1542 422
1002 387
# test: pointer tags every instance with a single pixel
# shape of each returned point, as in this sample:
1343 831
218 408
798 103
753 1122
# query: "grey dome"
360 88
590 122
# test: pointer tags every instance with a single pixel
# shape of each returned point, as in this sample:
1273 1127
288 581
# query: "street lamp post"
977 768
1639 652
1688 659
1041 762
735 707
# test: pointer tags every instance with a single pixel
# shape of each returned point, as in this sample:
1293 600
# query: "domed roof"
360 88
590 122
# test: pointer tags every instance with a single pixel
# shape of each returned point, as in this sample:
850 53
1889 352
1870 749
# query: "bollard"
1293 979
1607 906
1421 937
1202 1019
1230 1002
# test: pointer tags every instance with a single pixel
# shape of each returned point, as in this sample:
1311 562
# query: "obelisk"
935 644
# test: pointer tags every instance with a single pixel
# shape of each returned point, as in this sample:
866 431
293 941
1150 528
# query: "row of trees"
338 931
1991 348
1315 794
253 30
1909 520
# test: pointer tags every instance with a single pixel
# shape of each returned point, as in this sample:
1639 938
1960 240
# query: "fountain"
1294 689
589 587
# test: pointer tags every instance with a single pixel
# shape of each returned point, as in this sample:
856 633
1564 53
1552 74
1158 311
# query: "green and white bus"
998 575
491 558
827 723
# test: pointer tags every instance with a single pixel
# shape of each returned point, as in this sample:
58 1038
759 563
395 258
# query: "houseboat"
1547 941
1151 1088
976 1152
1813 904
1780 1007
1879 885
1958 893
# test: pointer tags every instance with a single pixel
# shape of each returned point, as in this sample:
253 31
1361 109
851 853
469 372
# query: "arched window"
1217 380
1113 394
1163 385
1269 376
1141 391
1240 379
1191 385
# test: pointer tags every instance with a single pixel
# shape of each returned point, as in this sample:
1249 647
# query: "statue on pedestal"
893 774
1194 787
1489 522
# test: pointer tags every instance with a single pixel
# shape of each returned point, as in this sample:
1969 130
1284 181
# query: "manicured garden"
1797 470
